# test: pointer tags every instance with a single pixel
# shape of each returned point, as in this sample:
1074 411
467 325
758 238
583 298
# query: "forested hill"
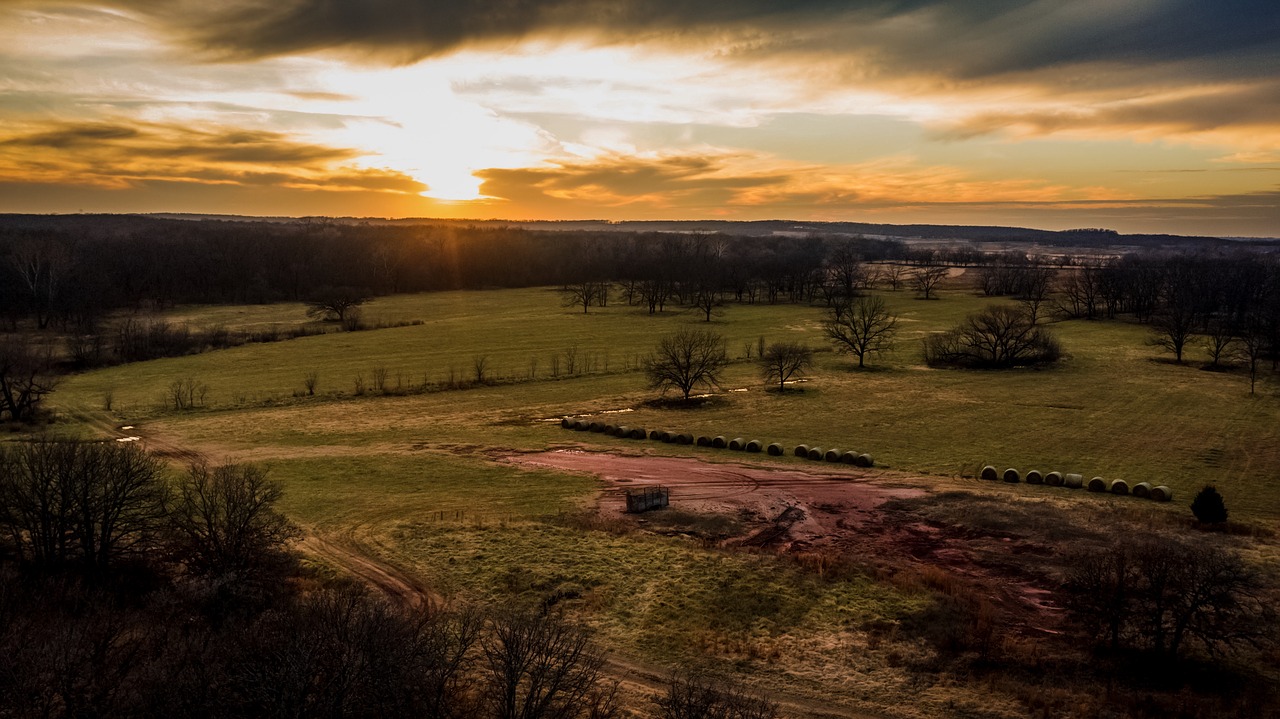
1083 237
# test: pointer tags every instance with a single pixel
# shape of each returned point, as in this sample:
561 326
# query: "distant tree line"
67 272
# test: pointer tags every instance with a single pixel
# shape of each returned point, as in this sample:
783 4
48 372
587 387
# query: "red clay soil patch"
816 507
835 511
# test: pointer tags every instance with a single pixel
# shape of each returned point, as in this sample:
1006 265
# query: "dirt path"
352 551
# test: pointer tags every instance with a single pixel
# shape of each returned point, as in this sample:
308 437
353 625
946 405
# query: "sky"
1135 115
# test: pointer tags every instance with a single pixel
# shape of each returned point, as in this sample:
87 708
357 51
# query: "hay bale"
1161 493
596 427
1142 489
684 438
1053 479
720 442
704 441
754 446
989 473
775 450
1073 481
1118 486
815 453
638 433
1012 476
1034 477
802 450
737 444
668 437
864 460
567 423
610 429
1097 484
849 457
622 431
832 455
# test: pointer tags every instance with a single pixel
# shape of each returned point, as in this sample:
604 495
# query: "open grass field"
1115 407
411 473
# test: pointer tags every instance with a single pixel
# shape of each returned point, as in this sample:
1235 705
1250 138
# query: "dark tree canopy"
1209 507
999 336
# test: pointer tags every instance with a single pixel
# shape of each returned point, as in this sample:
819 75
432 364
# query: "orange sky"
1140 115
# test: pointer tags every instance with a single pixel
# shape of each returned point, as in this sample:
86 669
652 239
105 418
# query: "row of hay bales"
737 444
1144 490
859 459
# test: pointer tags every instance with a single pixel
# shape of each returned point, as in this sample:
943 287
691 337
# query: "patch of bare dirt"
832 510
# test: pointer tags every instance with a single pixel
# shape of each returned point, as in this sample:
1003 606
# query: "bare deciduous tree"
999 336
334 303
1163 594
699 696
584 294
687 359
783 360
25 378
83 504
224 519
925 279
541 667
862 327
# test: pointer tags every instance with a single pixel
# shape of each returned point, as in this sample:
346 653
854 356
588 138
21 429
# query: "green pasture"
1114 407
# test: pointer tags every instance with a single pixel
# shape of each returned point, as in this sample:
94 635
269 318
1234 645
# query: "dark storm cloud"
964 39
689 180
74 135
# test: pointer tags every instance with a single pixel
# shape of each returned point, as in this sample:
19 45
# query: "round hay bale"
579 425
737 444
815 453
611 429
1097 484
775 450
1118 486
1142 489
1073 481
754 446
1161 493
849 457
864 460
720 442
1034 477
668 437
654 434
684 438
802 450
832 455
989 473
704 441
567 423
1012 476
596 427
638 433
622 431
1053 479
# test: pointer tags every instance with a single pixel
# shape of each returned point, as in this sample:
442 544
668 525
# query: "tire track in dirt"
347 553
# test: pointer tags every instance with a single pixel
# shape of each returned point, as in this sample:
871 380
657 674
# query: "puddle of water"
128 439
